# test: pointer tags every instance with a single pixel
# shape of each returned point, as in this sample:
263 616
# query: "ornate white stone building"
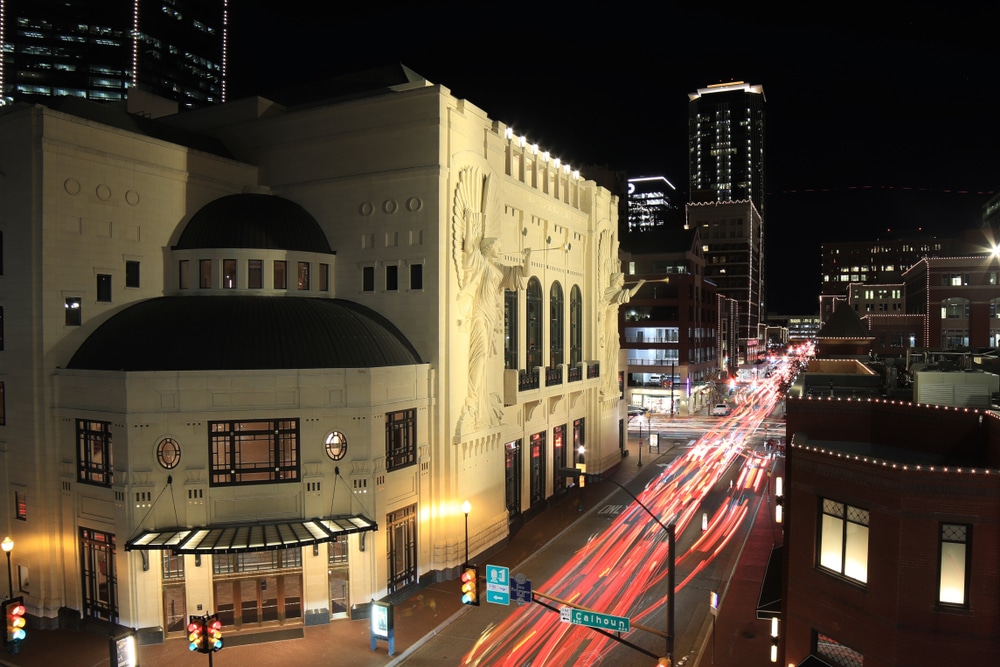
257 356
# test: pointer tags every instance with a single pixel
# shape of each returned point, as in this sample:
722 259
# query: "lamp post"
466 508
8 545
641 418
671 558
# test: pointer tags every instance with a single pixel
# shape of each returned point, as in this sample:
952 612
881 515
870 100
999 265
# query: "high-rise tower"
726 143
726 170
99 49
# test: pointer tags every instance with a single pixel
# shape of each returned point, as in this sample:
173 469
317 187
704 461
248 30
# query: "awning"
242 538
769 600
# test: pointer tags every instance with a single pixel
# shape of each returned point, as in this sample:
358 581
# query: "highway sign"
594 620
497 584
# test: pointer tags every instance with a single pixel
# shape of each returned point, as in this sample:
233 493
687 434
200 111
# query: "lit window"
953 581
336 445
253 452
168 453
20 505
94 464
400 439
844 540
303 276
228 274
74 311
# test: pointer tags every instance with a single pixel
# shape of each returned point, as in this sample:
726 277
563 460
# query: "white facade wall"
382 176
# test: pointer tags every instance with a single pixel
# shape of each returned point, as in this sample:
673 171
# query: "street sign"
594 620
497 584
520 589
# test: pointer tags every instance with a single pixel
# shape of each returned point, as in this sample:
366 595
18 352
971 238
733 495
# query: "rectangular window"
74 311
254 452
103 287
255 273
843 540
953 581
183 277
280 274
835 653
98 574
172 565
400 439
337 551
416 276
20 505
93 452
391 278
303 276
131 273
205 277
324 277
368 279
401 534
228 274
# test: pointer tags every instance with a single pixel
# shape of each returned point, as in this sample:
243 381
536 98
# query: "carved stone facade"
472 243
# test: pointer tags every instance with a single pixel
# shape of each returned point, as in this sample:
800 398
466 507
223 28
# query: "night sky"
881 116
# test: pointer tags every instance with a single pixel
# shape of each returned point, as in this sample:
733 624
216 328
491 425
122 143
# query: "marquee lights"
522 142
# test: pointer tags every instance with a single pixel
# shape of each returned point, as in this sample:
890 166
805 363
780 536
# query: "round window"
336 445
168 453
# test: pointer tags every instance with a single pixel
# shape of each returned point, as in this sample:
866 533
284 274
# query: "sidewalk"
739 638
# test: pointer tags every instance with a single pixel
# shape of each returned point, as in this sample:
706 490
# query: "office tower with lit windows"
100 49
726 143
649 202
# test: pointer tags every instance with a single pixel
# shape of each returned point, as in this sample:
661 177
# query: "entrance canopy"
244 538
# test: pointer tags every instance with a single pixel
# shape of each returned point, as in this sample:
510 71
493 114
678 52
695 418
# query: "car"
636 410
721 410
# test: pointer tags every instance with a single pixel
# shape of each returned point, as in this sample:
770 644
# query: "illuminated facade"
726 143
99 49
278 346
889 521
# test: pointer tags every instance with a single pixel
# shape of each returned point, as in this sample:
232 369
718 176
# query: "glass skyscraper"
99 49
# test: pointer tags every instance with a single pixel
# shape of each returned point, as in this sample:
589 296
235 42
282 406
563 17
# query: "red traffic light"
196 634
14 612
214 633
470 585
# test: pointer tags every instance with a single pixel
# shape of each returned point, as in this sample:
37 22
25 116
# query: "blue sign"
520 589
497 584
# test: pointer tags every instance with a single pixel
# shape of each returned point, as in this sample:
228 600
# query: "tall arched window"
533 325
555 325
575 326
510 329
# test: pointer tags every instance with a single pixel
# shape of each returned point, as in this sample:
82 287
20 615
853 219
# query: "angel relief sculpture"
615 293
481 280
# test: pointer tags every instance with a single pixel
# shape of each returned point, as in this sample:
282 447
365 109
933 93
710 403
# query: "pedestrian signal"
470 585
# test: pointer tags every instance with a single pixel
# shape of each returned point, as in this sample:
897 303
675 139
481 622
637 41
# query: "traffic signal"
196 634
470 585
663 662
214 630
15 622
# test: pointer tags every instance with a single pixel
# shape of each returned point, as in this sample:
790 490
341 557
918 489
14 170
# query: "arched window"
533 325
575 326
555 325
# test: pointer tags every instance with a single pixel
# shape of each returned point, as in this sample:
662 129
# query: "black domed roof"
266 222
200 333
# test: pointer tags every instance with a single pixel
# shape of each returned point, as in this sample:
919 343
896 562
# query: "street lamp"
466 508
8 545
641 419
671 559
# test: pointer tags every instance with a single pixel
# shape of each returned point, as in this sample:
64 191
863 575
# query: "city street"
710 478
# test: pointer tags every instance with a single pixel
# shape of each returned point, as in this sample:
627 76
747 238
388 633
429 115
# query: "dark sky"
879 116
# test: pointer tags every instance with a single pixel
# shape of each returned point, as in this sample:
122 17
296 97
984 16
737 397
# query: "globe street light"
466 508
8 545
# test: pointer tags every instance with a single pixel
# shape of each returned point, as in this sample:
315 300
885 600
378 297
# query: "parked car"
721 409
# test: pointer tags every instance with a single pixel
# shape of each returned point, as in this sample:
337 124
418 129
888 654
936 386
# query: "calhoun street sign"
594 620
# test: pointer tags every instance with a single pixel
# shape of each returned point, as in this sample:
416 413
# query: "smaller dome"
264 222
